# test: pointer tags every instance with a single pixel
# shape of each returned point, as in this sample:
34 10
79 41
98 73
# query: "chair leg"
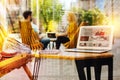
36 68
28 72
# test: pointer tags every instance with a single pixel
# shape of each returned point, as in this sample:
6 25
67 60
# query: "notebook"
51 35
96 39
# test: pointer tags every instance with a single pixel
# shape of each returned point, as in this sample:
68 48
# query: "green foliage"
50 10
92 16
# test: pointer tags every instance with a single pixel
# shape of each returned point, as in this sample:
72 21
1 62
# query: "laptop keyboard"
86 50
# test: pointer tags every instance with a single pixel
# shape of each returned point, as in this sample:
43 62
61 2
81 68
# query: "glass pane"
14 10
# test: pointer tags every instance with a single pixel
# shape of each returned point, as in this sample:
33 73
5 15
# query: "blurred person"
69 33
28 16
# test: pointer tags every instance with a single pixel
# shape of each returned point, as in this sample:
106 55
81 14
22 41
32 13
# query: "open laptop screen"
51 35
95 37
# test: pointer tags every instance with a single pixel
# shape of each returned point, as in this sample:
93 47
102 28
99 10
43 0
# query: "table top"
74 55
15 62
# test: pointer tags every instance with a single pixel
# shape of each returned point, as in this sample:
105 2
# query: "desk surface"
75 55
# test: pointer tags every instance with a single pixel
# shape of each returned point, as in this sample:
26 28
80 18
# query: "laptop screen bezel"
89 47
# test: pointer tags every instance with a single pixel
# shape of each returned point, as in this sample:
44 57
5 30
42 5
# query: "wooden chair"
3 35
73 42
29 36
8 61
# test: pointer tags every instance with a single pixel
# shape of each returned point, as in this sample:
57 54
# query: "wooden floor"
64 70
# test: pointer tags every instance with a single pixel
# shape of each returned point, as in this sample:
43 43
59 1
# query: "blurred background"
50 15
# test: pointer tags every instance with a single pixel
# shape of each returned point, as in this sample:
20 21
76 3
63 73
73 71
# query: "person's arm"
61 34
64 33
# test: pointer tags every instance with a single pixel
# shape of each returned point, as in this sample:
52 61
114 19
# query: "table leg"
80 69
28 72
98 72
110 69
97 64
88 73
36 68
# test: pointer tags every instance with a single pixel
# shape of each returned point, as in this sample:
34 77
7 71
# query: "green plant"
92 16
50 10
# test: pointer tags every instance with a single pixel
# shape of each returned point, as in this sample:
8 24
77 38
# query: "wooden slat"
28 72
29 36
12 63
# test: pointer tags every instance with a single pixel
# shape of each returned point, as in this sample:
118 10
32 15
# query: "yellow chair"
3 35
73 41
29 36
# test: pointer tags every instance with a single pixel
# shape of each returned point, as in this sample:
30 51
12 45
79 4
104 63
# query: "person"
69 33
28 16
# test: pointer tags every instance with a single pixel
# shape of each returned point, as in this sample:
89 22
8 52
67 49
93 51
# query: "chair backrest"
3 35
73 42
29 36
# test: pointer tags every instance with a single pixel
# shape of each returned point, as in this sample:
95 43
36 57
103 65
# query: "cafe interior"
37 36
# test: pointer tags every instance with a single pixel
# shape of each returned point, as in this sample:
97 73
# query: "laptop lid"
95 37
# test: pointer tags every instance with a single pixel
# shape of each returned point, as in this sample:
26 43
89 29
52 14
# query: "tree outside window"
50 12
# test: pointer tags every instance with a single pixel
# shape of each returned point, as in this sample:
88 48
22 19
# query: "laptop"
95 39
51 35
